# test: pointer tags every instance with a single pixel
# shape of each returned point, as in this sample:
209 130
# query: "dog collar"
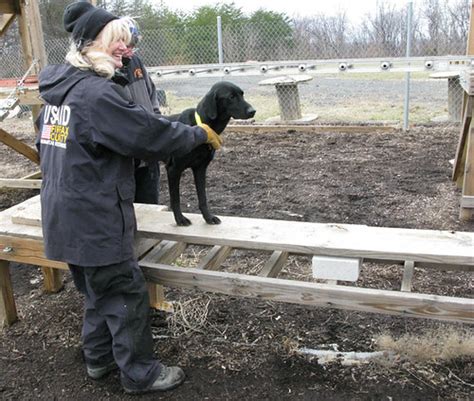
197 118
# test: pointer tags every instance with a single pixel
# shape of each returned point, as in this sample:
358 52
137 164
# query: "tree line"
170 37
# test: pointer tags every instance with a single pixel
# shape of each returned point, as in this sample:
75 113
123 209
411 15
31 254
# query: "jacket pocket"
126 194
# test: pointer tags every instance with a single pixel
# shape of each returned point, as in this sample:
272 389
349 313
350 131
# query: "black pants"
116 322
147 183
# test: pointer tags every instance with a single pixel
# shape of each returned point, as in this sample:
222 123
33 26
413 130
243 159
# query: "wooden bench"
21 241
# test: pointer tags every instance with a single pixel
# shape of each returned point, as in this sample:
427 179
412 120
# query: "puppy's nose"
251 112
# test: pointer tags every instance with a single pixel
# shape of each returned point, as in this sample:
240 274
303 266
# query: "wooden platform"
21 240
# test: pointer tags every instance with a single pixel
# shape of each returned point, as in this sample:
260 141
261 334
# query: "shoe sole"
98 376
154 390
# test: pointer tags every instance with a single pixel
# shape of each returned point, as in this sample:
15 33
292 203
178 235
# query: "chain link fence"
332 97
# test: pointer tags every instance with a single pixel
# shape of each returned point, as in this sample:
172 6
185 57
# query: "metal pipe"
406 111
219 39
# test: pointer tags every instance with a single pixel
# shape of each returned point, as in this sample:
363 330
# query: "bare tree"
324 36
385 29
459 25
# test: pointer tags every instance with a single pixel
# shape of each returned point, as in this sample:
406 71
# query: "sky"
355 9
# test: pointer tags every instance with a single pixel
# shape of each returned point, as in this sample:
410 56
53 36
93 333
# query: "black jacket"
141 87
89 133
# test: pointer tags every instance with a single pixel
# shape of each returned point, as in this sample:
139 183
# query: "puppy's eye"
231 96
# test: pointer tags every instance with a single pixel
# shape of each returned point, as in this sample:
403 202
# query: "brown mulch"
244 349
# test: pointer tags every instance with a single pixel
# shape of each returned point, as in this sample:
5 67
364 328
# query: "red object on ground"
31 80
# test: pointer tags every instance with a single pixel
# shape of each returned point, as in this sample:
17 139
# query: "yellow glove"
213 138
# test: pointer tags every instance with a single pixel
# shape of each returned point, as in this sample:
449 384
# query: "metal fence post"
406 112
219 39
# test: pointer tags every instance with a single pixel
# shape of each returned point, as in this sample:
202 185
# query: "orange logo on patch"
138 73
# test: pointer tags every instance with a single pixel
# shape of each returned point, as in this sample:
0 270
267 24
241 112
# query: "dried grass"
443 344
189 316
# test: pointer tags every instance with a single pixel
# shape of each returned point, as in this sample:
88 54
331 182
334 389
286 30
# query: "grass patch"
433 346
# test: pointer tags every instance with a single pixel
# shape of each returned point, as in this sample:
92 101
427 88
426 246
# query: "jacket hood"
55 82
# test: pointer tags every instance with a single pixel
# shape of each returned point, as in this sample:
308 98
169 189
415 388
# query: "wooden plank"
315 129
433 246
214 258
470 36
339 297
19 146
165 252
20 183
35 175
274 265
29 214
144 245
26 95
8 314
345 240
468 185
52 280
5 21
408 275
9 6
458 167
25 250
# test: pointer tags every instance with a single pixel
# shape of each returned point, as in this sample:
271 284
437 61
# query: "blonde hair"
93 56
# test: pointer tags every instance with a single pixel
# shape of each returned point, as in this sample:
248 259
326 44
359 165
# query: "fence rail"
250 52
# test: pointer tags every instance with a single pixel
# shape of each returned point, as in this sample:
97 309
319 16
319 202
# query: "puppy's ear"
209 105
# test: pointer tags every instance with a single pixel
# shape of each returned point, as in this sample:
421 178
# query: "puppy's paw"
213 220
182 221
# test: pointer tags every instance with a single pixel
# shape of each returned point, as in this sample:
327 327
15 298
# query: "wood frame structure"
463 169
32 41
161 242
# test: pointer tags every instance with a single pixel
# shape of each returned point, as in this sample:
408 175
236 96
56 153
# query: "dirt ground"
244 349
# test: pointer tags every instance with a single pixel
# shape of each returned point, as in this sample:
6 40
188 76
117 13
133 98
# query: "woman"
89 134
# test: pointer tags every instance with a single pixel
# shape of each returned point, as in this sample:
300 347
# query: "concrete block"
336 268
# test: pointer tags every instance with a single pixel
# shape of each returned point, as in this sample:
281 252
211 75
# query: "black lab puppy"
223 102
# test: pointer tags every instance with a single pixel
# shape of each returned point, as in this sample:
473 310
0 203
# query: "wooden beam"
35 175
458 167
31 33
32 39
408 275
315 129
144 245
470 36
29 251
215 258
468 185
52 279
291 291
9 6
274 265
165 252
20 183
343 240
19 146
5 21
8 314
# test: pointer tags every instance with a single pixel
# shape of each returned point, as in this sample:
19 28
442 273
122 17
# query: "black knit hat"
85 21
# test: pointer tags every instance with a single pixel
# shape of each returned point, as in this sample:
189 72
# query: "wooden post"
466 149
466 213
8 313
52 280
32 40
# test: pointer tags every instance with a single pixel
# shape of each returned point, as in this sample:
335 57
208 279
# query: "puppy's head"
225 100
